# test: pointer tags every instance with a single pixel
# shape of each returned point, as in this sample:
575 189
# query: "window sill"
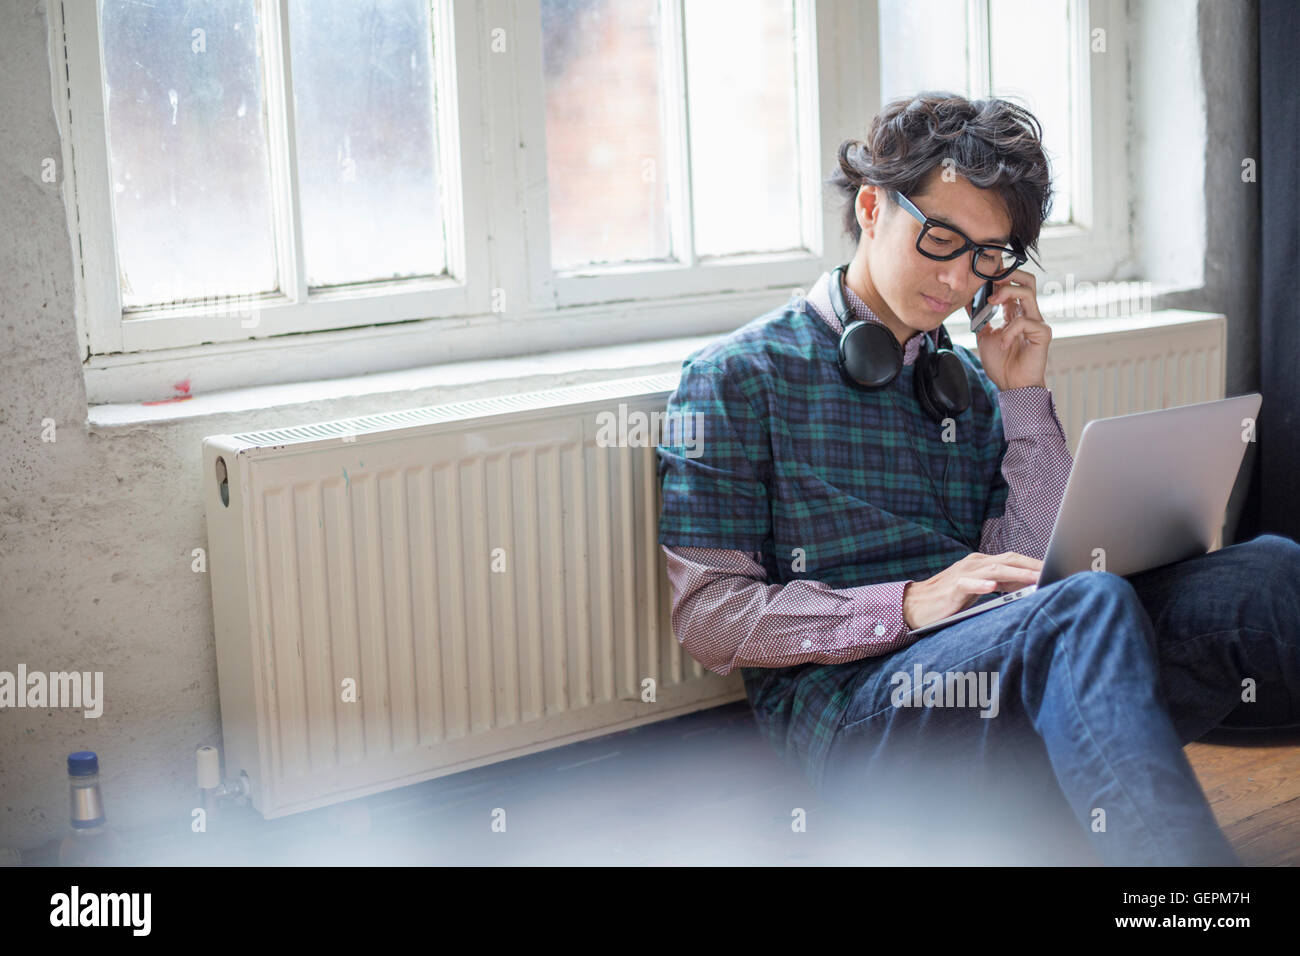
268 405
367 350
411 388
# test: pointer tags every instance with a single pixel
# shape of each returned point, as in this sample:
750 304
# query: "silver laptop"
1146 489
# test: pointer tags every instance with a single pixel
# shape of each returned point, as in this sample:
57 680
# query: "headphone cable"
915 451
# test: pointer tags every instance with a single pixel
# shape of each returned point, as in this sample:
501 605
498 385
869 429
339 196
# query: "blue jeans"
1100 681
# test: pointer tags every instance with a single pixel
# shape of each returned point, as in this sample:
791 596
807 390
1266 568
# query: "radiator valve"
213 791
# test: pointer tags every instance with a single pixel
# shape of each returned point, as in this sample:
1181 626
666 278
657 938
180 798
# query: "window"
616 197
248 169
442 175
682 147
1042 54
188 153
194 187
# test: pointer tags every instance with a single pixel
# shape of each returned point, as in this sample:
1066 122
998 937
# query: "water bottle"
92 842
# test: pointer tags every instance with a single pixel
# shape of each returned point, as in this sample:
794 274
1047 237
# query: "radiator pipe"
213 791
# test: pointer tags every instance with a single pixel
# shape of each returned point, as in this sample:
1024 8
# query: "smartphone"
981 310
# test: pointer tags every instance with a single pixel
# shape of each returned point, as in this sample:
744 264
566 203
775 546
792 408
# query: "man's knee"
1101 582
1273 571
1275 556
1099 587
1090 594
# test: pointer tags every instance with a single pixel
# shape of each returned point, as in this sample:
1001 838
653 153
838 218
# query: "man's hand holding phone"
1014 355
981 310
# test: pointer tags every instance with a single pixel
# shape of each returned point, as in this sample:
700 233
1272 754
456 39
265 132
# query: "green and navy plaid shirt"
823 480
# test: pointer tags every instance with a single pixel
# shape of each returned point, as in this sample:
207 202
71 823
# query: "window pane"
604 143
367 166
187 149
923 47
740 69
1030 61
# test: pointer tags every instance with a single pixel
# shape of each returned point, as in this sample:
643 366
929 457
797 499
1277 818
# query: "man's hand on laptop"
957 587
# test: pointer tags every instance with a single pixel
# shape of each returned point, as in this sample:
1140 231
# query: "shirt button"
807 644
880 630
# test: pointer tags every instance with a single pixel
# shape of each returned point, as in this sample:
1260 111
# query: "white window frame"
690 274
504 299
295 308
1096 244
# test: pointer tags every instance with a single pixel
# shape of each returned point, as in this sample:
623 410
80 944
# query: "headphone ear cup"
870 355
940 384
951 386
921 387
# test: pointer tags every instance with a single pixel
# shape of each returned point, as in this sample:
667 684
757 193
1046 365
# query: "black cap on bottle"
83 763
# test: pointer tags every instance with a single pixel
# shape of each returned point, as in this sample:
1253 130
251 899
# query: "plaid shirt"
799 469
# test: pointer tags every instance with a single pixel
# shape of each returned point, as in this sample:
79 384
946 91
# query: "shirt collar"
819 297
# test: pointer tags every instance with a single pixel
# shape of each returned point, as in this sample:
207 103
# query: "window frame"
1097 244
690 274
505 299
111 329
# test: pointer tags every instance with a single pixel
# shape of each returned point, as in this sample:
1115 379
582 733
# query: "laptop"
1146 489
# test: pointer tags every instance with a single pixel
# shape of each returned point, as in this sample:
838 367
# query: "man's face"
919 293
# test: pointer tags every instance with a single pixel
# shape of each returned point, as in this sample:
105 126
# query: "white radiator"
401 596
486 574
1175 358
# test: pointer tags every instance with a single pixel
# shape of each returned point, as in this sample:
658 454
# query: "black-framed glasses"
942 242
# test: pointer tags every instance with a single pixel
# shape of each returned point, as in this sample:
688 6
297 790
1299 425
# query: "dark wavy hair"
992 142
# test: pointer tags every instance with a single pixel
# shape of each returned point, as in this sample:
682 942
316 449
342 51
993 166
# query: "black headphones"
870 357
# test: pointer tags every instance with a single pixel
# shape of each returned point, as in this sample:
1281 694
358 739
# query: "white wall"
1168 116
1196 223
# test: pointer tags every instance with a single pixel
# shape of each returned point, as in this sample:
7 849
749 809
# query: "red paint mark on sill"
183 388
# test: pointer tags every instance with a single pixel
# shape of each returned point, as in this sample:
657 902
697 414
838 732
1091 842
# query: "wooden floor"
1252 781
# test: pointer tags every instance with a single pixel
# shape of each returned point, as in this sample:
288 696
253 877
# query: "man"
819 520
